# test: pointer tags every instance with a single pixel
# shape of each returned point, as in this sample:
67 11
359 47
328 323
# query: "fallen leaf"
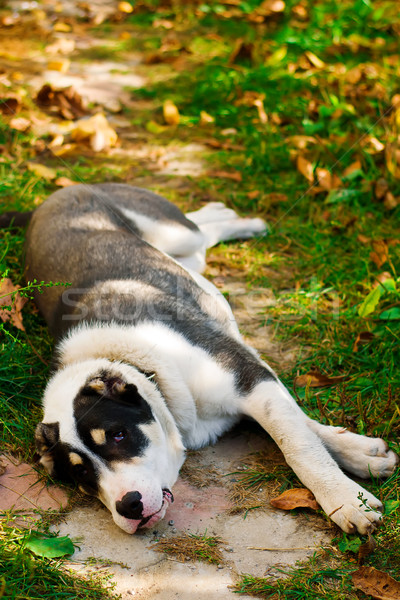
253 195
295 498
377 584
380 189
9 106
380 253
41 170
62 27
96 131
64 182
269 7
125 7
171 113
20 124
314 60
390 202
9 296
61 46
301 141
324 178
262 115
66 102
355 166
364 337
234 175
61 65
205 118
305 168
317 379
363 238
372 145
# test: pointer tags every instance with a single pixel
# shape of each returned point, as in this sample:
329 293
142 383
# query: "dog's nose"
130 506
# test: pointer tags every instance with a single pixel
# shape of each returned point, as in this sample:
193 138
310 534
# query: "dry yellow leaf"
295 498
205 118
96 131
20 124
41 170
125 7
64 182
61 65
378 584
314 60
171 113
305 168
324 178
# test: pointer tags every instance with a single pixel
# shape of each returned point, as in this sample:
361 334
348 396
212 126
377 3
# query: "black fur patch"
116 411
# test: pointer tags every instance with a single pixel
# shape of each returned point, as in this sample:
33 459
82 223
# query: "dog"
149 361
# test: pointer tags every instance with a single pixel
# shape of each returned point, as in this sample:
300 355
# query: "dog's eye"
118 436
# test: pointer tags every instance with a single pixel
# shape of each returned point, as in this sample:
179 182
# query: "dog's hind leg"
361 455
219 224
345 501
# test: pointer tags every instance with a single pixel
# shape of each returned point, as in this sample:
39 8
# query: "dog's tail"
14 219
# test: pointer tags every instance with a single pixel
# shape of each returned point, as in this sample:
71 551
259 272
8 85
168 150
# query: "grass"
192 547
326 77
24 575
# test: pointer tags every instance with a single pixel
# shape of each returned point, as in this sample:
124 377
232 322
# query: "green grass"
24 575
317 258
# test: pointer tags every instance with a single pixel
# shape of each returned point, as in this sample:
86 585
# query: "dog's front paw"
354 509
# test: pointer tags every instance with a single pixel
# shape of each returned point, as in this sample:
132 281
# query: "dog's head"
107 427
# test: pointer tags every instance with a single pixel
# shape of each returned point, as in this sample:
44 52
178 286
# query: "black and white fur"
150 361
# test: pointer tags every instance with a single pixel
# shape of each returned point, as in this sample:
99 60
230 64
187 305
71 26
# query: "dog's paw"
364 456
354 509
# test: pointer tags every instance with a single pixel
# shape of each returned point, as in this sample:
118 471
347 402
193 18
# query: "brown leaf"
8 297
355 166
364 337
390 202
65 102
234 175
317 379
295 498
377 584
380 253
363 239
382 277
9 106
41 170
324 178
305 168
380 189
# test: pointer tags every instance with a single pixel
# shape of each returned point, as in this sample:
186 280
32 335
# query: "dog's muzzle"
131 506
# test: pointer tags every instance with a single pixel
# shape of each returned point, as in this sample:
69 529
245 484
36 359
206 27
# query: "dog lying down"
149 360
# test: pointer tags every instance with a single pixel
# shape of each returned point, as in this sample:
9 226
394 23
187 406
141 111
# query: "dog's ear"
112 387
46 437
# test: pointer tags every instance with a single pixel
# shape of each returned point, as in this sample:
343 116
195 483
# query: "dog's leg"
361 455
348 504
219 224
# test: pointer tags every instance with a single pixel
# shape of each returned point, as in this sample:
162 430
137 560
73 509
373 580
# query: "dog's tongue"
168 496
